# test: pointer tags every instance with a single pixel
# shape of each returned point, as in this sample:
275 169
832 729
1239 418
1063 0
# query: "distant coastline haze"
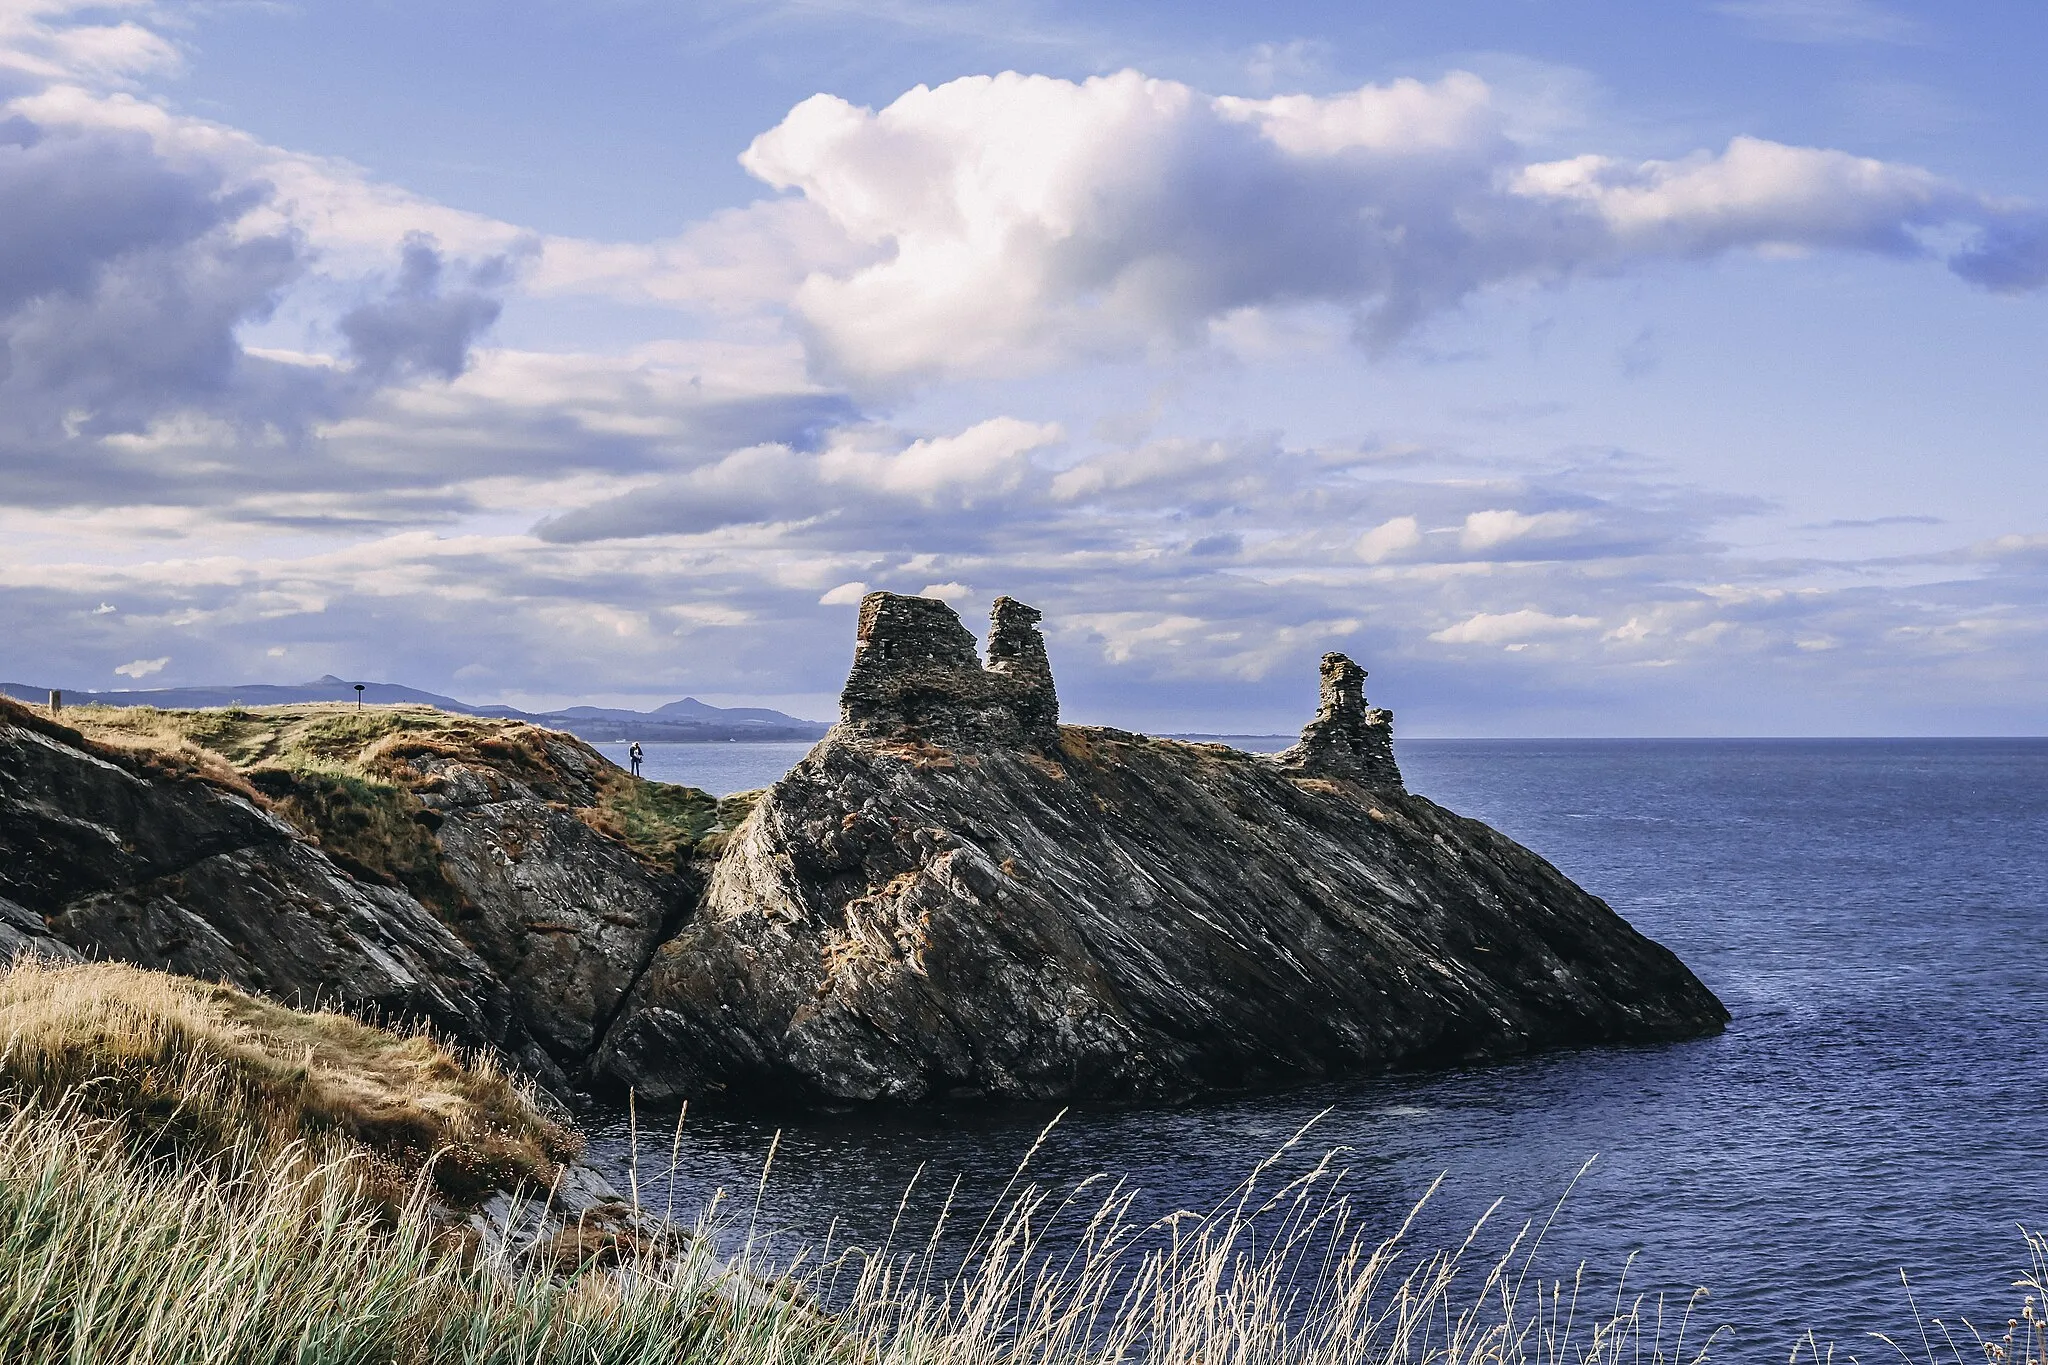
685 721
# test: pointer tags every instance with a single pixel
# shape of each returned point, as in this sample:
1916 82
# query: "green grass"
377 831
662 823
351 779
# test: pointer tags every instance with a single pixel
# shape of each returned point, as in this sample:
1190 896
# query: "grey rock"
185 877
103 858
23 932
952 897
564 916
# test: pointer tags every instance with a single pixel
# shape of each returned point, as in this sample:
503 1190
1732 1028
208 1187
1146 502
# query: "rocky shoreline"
953 897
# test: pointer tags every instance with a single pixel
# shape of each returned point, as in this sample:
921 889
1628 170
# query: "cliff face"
466 873
106 859
955 896
952 896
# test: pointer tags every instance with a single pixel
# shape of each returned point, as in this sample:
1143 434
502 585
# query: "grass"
129 1233
661 823
352 778
109 1257
205 1072
189 1174
106 1256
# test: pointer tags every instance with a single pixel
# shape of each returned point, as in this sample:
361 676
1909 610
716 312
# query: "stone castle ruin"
916 674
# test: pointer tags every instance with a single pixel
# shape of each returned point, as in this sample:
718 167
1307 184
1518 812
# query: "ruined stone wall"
1016 656
915 673
916 676
1348 739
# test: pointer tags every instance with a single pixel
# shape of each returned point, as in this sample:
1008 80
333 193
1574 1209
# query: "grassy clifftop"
357 779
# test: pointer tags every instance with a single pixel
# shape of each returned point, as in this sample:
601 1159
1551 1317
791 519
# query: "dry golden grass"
175 756
266 1252
199 1069
109 1255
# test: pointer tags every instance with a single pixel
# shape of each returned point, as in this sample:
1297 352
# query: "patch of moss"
731 813
660 822
350 778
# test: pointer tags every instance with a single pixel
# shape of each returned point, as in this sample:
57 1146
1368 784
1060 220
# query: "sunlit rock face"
955 897
106 858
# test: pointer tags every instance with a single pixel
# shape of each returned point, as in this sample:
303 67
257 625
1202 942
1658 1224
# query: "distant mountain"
329 688
688 720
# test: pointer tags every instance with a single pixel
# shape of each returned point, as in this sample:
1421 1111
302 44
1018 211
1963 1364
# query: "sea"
1857 1154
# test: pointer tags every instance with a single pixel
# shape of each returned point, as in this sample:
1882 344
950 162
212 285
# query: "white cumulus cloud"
1494 527
142 668
1389 538
1012 221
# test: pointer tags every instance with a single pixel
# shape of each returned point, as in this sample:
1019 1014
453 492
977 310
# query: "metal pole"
359 696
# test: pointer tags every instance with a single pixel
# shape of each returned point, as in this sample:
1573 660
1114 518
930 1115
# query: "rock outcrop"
541 926
953 896
566 917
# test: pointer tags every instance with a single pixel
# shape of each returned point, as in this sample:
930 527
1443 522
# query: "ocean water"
1874 914
721 769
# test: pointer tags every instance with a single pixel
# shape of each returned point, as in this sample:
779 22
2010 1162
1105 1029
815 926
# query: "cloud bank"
255 421
1021 221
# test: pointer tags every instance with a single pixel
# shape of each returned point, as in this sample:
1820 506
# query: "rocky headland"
952 897
955 896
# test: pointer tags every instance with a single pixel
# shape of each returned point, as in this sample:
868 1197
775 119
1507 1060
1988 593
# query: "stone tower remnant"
915 674
1348 738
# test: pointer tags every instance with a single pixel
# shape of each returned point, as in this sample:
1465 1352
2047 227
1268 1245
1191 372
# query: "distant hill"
687 721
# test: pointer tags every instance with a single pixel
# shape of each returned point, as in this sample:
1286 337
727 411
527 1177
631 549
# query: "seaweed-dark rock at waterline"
953 896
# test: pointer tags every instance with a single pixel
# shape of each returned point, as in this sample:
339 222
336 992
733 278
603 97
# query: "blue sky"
1581 368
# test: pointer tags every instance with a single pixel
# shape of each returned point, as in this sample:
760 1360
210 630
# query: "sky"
1580 368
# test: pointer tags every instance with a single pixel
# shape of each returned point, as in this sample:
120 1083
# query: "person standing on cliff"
635 756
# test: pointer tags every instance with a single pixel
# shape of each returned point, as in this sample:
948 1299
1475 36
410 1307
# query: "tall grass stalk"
108 1256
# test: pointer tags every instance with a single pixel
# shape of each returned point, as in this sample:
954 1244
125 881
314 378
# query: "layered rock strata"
953 896
104 859
548 925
